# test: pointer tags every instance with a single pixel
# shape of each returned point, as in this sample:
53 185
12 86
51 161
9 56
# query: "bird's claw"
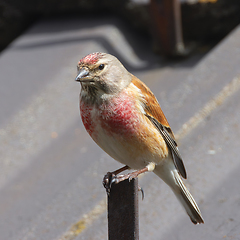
108 180
141 189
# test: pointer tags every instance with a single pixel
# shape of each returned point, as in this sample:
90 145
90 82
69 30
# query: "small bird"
124 118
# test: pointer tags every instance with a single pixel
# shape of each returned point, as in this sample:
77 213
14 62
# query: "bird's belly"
124 149
131 145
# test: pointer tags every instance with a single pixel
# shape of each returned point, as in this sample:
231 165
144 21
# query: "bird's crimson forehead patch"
91 58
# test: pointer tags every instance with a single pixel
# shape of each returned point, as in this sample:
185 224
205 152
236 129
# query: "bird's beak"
82 75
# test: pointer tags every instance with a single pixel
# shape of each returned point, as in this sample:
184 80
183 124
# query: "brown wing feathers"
155 115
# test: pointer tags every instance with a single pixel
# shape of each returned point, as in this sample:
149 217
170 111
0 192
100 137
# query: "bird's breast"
86 115
118 115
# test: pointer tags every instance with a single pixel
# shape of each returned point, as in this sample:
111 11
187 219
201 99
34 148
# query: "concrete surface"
50 169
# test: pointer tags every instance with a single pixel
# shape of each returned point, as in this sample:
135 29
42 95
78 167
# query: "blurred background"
186 51
204 21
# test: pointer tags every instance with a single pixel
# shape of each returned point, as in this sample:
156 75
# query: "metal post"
123 222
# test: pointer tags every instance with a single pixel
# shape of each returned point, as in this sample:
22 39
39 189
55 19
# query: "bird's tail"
184 196
187 200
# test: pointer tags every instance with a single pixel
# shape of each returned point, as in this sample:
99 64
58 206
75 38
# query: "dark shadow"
140 43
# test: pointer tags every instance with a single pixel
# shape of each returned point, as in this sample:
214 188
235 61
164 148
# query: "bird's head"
101 75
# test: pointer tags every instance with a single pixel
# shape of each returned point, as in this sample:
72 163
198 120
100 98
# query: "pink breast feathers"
88 123
119 116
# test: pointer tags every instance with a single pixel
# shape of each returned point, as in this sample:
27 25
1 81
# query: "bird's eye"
101 66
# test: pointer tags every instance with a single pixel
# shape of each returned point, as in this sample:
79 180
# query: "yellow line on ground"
87 219
211 105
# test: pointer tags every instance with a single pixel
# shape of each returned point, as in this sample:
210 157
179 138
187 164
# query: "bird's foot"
110 178
129 176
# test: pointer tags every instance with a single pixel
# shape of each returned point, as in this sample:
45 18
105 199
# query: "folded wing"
154 113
